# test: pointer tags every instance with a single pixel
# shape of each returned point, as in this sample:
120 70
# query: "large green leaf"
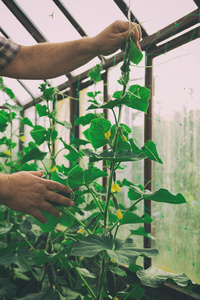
38 133
26 121
48 94
46 295
7 289
132 292
134 54
98 128
42 110
33 154
84 120
131 218
161 195
92 174
3 120
123 252
164 195
122 155
155 277
148 150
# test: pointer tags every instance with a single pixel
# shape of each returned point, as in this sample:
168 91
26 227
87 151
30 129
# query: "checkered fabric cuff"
8 50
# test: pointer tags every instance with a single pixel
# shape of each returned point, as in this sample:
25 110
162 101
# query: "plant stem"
87 285
81 223
115 224
95 199
108 197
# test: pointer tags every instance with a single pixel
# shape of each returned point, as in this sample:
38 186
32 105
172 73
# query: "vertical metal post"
74 110
147 162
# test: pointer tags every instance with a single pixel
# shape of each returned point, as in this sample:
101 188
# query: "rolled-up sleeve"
8 50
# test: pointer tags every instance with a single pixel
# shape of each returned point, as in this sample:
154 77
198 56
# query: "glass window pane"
94 15
50 20
154 15
14 28
176 122
63 114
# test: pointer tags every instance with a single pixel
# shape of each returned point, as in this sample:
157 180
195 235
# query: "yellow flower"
119 214
80 230
115 298
54 169
81 258
7 152
107 135
54 287
124 138
22 138
112 260
115 188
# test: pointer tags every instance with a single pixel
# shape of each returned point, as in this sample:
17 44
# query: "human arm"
28 193
49 60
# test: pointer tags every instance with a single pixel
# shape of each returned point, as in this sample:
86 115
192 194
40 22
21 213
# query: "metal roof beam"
170 30
70 17
197 2
124 8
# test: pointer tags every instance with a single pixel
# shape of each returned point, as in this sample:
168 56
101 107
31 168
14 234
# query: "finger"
37 214
46 206
57 198
56 186
37 173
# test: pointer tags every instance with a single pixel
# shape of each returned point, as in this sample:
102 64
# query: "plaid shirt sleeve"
8 50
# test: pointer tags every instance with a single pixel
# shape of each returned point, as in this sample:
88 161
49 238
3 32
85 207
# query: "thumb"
37 173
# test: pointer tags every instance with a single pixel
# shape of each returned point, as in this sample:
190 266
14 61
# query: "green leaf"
95 73
132 292
138 98
46 295
84 120
134 54
48 94
7 289
38 133
120 156
123 252
164 195
78 142
98 128
26 121
42 110
148 150
33 154
131 218
141 231
85 273
155 277
92 174
3 120
118 271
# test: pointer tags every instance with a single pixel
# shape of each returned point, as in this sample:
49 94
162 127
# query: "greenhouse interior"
99 141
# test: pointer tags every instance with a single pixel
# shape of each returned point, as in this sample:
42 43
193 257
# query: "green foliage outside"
80 255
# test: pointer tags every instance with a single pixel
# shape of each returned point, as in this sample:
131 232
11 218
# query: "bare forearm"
49 60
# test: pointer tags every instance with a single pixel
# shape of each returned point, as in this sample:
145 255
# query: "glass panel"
154 15
14 28
176 124
50 20
63 114
94 16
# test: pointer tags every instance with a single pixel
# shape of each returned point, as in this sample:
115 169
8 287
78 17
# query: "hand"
27 192
112 37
